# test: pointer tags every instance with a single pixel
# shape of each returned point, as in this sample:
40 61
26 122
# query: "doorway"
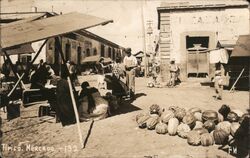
197 56
67 52
79 55
102 50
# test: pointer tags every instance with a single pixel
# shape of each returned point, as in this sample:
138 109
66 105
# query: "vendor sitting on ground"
91 104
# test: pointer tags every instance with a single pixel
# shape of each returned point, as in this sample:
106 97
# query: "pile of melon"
199 127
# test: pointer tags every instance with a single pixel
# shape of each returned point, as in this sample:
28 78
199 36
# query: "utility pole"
149 33
144 40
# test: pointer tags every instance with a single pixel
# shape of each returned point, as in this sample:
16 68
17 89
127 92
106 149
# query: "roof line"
92 35
195 7
53 13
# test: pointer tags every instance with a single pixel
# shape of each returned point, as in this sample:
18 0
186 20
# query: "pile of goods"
199 127
152 84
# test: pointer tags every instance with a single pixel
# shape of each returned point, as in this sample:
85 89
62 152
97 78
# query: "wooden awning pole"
37 54
59 48
76 112
12 90
237 80
39 51
12 67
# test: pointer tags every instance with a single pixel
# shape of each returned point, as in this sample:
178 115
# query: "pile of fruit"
199 127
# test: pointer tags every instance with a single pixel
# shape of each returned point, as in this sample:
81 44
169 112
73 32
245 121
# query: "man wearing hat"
130 63
173 68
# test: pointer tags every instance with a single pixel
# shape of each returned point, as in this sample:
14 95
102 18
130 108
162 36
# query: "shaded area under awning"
242 47
94 59
20 49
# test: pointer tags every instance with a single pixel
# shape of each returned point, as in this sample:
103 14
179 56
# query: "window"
191 41
114 53
87 52
95 51
25 58
67 52
79 55
102 50
109 53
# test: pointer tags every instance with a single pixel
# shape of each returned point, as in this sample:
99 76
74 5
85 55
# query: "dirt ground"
117 136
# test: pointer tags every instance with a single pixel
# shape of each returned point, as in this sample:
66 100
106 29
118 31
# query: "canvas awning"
31 31
242 47
94 59
32 18
226 44
20 49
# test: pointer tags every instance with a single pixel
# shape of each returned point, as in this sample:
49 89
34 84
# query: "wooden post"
19 80
76 112
37 54
72 90
39 51
12 67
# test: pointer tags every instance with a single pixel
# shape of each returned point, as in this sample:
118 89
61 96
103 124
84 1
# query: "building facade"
79 45
188 30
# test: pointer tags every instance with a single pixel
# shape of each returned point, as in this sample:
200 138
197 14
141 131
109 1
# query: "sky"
127 28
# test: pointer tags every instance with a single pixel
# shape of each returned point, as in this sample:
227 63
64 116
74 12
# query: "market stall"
26 32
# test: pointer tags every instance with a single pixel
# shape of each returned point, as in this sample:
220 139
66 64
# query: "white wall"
226 24
42 55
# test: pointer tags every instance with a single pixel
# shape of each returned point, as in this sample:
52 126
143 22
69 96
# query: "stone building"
79 45
188 30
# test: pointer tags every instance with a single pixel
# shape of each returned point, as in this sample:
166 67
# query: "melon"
232 117
167 115
234 127
209 125
189 119
152 122
238 112
194 138
180 113
142 121
207 139
154 109
138 116
210 115
220 118
198 116
198 124
161 128
183 130
220 136
224 110
224 125
172 126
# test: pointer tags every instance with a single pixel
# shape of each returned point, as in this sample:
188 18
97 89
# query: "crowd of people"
89 100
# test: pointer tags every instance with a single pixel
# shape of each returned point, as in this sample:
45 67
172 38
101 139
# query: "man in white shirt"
130 63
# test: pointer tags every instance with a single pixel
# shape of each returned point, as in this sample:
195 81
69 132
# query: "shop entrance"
197 56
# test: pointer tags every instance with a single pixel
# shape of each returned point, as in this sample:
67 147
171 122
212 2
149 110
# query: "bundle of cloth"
91 104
